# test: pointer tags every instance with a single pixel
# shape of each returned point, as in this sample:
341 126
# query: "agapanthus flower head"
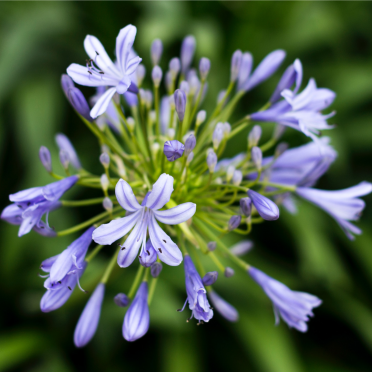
223 307
173 150
293 307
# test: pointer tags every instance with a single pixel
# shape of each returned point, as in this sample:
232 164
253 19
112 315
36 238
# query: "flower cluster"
167 194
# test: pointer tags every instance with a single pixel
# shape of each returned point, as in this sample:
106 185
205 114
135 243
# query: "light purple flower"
224 308
173 150
31 204
142 217
65 144
137 319
148 255
266 208
293 307
196 293
343 205
101 71
89 318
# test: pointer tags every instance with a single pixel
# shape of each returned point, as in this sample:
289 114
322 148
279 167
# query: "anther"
164 241
160 250
179 310
59 282
148 252
97 53
101 72
69 288
123 248
90 72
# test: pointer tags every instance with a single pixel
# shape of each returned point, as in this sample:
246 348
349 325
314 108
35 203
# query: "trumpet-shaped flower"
343 205
143 217
293 307
101 71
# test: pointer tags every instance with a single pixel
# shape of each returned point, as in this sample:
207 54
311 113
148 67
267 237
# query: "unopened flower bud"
200 117
236 61
105 159
230 172
211 160
257 157
168 81
180 102
104 182
254 136
131 123
280 149
217 135
107 204
174 67
171 133
242 247
187 52
226 128
229 272
212 246
105 148
221 96
173 150
79 103
234 222
210 278
140 74
266 208
184 86
66 83
121 300
246 206
194 85
245 70
156 51
155 147
64 144
190 158
64 158
120 165
156 269
190 144
45 158
204 67
237 177
279 131
156 75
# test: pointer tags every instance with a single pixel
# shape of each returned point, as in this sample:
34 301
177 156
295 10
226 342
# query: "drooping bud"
229 173
211 160
174 67
190 144
234 222
180 102
280 149
229 272
242 247
204 67
107 204
210 278
104 182
217 135
256 154
140 74
237 177
200 117
224 308
121 300
236 61
246 206
156 269
46 159
187 52
190 158
156 51
79 103
64 144
254 136
266 208
173 150
156 75
104 158
212 246
64 159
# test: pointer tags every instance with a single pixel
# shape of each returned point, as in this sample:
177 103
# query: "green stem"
152 289
93 253
136 281
110 267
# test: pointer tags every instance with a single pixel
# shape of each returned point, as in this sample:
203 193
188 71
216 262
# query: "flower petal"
161 192
124 85
108 233
176 215
132 65
80 75
102 103
125 196
124 43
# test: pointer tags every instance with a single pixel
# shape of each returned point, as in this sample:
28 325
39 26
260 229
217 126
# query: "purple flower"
89 318
224 308
101 71
142 217
148 255
137 319
173 150
266 208
196 293
293 307
343 205
31 204
65 144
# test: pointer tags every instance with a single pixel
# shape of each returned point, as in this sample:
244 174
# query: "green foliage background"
308 252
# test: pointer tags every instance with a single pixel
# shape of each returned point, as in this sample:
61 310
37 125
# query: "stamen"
164 241
97 53
160 250
67 287
43 276
78 283
148 252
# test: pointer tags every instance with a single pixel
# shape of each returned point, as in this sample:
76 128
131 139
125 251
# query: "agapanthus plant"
168 194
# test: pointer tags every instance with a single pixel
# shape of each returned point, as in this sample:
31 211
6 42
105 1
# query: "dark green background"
309 252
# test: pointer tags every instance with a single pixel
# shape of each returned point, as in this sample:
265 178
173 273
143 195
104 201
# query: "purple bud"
221 96
190 158
236 61
140 74
257 157
122 300
254 136
242 247
89 318
173 150
156 51
224 308
194 85
104 182
234 222
190 144
245 70
137 319
148 255
210 278
200 117
45 158
237 177
64 159
79 103
180 102
246 206
217 135
187 52
281 148
156 269
67 84
204 67
229 272
104 158
107 204
285 82
184 86
174 67
211 160
64 144
266 208
156 75
212 246
279 131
